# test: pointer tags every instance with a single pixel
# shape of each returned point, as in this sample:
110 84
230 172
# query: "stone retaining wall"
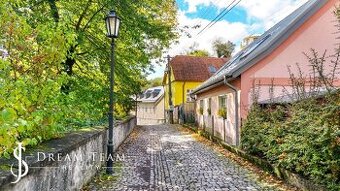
64 164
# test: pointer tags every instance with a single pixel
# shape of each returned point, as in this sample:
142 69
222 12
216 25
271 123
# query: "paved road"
164 158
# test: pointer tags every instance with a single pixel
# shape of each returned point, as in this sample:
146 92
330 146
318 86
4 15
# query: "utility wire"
225 9
206 12
220 16
225 13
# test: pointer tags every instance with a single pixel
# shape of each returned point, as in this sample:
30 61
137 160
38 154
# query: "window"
209 106
222 106
189 99
212 69
148 94
201 107
155 92
222 101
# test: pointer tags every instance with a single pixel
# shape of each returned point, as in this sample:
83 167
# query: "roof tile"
192 68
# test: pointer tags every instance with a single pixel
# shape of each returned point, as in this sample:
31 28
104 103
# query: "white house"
150 106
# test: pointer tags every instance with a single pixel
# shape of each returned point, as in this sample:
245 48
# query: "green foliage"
222 112
303 138
154 83
55 78
199 53
223 48
195 51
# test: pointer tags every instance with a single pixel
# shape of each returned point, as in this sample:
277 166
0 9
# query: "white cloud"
266 12
222 29
269 12
193 4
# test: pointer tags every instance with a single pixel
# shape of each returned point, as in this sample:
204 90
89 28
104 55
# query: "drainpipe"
181 112
226 82
183 93
195 99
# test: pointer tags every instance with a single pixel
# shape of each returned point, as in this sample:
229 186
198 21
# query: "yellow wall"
179 91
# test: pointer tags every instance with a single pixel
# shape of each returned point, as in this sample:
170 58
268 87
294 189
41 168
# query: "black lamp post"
112 26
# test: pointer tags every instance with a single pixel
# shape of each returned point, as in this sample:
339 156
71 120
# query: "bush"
222 113
303 138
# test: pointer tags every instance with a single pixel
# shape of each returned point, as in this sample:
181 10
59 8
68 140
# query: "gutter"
260 53
203 89
226 81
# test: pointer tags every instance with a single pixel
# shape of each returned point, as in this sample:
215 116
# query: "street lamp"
112 26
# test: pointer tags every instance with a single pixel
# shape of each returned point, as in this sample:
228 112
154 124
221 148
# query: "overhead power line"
220 16
207 10
221 13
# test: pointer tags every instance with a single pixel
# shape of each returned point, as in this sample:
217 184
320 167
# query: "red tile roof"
192 68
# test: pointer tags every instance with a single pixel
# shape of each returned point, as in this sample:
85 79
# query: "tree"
84 50
61 45
199 53
194 51
154 82
223 48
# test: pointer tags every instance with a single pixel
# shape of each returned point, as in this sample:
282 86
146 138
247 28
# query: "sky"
249 17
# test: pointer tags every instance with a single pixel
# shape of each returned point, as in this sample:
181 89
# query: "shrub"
306 142
222 112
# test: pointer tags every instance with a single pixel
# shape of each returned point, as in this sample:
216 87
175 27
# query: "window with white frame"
222 101
222 106
189 99
201 109
209 106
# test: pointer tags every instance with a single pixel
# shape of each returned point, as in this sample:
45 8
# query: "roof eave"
206 88
268 49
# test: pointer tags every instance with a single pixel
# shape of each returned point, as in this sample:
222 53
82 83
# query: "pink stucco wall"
319 33
223 128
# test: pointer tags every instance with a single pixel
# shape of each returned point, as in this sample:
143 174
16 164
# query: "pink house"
265 63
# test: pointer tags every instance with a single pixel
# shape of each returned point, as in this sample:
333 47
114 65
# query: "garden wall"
67 163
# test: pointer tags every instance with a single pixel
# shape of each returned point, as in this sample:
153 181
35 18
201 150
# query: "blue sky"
247 18
209 12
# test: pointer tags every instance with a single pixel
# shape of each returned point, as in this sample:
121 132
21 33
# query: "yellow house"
188 72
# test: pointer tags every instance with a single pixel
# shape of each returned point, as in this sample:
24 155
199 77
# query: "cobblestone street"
165 158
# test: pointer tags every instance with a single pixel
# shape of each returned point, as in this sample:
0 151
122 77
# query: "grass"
103 181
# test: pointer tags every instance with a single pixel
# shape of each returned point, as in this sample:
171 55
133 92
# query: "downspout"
195 99
183 88
226 82
181 115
